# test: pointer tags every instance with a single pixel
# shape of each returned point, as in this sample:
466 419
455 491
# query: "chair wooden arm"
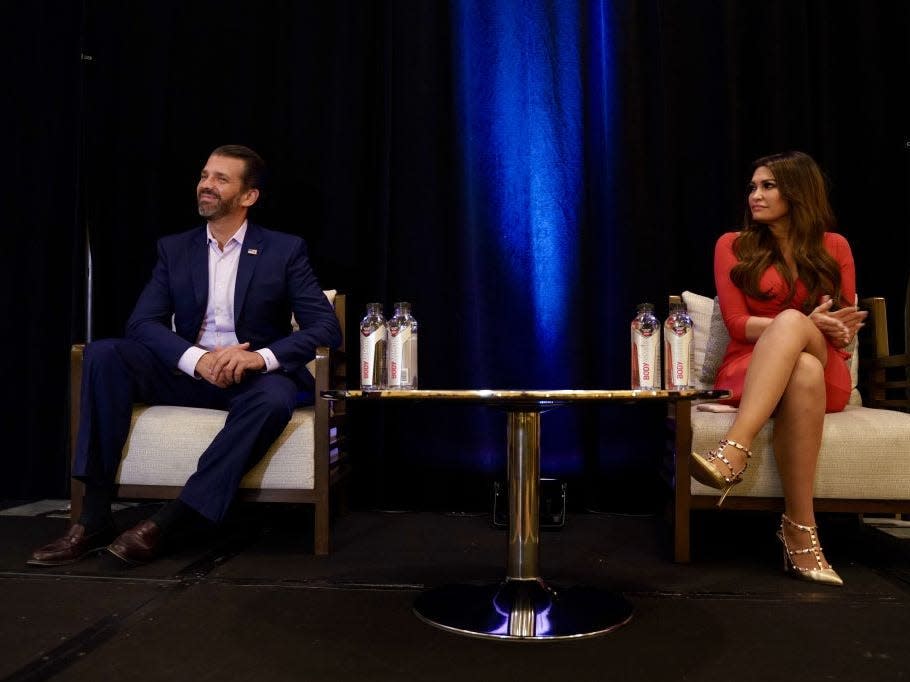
885 378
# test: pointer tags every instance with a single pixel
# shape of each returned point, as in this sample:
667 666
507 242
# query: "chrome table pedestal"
523 607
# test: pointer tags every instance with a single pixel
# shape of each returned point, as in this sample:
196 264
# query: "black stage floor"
251 602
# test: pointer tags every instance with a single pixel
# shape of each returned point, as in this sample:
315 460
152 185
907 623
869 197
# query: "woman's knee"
808 374
791 319
793 324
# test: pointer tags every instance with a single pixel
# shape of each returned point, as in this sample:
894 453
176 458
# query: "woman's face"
765 200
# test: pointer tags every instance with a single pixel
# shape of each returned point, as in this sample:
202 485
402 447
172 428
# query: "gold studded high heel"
818 575
705 472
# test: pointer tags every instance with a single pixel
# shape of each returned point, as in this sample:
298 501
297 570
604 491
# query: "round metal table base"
523 610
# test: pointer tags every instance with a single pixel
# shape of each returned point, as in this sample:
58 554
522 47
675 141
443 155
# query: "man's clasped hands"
225 366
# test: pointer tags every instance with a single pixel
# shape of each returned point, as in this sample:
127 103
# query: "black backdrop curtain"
370 116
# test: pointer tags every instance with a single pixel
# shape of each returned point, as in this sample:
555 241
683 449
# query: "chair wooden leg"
681 538
681 490
321 528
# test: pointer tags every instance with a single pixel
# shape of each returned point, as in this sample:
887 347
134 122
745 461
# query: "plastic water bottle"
402 348
374 334
645 349
678 349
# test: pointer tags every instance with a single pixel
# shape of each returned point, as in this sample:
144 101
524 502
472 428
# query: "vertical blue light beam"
523 109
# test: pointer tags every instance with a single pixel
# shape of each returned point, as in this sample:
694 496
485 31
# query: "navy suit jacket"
274 279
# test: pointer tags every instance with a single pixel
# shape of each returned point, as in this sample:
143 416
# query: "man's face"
220 191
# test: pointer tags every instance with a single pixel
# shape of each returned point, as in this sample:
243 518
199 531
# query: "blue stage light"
533 101
522 109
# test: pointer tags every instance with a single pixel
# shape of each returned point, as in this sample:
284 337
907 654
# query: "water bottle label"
409 372
678 359
647 359
372 357
399 360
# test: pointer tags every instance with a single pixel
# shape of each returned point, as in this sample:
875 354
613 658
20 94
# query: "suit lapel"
249 257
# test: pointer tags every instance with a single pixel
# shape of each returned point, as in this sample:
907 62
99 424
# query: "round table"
523 606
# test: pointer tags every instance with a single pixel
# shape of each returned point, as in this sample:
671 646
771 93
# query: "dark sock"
96 509
178 515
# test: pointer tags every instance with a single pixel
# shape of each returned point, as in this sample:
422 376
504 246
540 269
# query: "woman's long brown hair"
801 183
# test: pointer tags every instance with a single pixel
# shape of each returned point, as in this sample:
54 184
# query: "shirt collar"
238 235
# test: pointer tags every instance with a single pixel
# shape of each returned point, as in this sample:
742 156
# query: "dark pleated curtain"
524 173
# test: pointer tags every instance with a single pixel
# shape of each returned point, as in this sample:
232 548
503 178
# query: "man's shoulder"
253 229
194 234
278 242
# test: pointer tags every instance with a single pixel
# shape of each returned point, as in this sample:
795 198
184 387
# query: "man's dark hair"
254 176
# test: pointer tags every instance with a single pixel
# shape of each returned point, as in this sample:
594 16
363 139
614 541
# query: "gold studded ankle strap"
719 455
799 526
738 446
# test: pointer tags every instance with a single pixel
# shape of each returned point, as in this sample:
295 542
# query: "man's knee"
123 352
103 349
274 396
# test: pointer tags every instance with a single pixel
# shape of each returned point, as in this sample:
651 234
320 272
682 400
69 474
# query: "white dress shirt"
217 329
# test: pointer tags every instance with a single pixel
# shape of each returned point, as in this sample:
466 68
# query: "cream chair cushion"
864 455
165 442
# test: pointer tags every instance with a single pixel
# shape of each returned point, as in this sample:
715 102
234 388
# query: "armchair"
863 432
304 465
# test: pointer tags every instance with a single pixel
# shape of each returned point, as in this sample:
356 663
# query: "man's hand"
225 366
840 325
205 369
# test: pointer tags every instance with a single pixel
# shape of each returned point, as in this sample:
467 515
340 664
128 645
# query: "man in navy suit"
229 288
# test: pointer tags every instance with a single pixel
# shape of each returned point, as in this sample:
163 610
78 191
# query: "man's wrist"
271 362
190 358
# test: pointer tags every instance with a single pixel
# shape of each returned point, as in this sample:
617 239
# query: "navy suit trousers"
120 372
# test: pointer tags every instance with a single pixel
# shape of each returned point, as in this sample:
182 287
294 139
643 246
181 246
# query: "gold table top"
531 397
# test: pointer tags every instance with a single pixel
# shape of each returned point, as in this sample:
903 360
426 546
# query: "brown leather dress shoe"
71 547
138 545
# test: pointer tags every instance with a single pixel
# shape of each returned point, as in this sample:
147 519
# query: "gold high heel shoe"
706 473
818 575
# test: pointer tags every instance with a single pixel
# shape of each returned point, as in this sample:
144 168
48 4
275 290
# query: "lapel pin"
253 252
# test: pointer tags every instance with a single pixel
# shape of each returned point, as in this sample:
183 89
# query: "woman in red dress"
787 292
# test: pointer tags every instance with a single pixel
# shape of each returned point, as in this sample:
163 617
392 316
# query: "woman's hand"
840 325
